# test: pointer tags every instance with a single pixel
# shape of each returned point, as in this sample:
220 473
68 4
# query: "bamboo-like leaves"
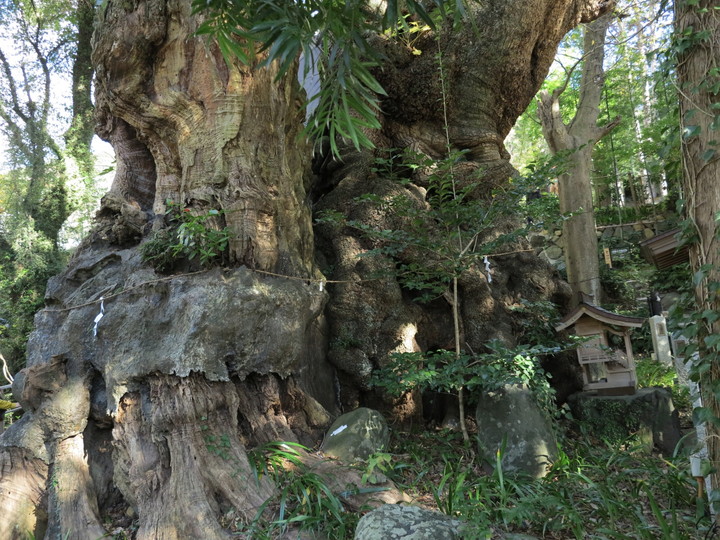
331 38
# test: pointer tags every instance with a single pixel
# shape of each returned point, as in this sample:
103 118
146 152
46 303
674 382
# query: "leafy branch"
191 236
331 38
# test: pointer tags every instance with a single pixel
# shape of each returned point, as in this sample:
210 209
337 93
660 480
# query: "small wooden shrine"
606 356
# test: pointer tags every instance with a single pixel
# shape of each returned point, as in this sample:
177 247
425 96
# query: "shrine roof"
600 314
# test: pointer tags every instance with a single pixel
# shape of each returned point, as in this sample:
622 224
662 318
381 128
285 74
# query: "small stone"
553 252
357 435
399 522
537 240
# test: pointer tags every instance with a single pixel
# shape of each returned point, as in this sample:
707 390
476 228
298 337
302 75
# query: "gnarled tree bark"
149 409
492 71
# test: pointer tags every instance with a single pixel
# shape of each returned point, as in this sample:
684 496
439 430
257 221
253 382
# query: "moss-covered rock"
512 417
398 522
357 435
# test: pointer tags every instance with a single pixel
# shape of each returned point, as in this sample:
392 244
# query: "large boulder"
512 417
357 435
399 522
649 413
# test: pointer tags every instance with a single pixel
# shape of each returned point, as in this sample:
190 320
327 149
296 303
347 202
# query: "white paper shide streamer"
487 269
99 316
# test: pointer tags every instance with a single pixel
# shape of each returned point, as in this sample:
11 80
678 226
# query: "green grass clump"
594 490
303 498
652 373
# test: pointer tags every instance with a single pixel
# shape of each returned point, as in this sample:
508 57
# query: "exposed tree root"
22 494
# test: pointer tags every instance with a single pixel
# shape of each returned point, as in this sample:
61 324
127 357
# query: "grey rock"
553 252
649 411
513 415
357 435
537 240
398 522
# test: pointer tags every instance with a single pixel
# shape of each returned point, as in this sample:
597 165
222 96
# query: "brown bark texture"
145 413
578 138
698 78
491 69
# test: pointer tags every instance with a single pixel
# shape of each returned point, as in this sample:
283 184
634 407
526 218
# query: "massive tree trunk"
147 410
699 24
579 137
177 363
490 73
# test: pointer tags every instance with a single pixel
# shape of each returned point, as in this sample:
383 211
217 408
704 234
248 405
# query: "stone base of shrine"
648 414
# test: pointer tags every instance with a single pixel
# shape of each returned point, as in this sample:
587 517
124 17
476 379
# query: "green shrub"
27 260
303 497
190 237
653 373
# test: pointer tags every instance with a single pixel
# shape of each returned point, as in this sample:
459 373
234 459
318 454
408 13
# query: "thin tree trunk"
579 138
458 352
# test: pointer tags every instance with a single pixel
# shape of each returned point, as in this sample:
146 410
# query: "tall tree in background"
578 138
48 177
630 163
636 88
697 45
82 126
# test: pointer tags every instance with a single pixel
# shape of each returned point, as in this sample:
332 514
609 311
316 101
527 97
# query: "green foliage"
303 497
535 322
454 228
42 187
639 87
613 420
625 284
675 278
27 260
594 490
191 237
653 373
446 371
381 466
614 215
332 37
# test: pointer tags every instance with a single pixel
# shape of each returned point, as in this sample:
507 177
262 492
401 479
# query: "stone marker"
512 414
